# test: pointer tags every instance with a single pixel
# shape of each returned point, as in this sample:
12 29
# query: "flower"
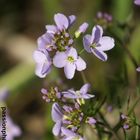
137 2
4 93
97 43
57 116
70 61
138 69
62 23
81 29
79 95
52 95
91 121
61 37
43 62
12 129
70 135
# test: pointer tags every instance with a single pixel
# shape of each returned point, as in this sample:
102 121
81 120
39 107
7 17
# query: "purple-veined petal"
87 43
137 2
46 68
69 70
70 95
57 128
61 21
83 27
72 19
59 59
39 56
38 71
106 43
80 64
87 96
72 52
56 112
97 33
138 69
99 54
51 29
84 89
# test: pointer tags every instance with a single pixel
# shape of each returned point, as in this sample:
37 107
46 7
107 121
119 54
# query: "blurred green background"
23 21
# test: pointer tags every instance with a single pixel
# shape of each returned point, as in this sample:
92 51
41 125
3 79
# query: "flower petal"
87 43
57 128
59 59
56 112
72 19
69 94
80 64
39 56
51 29
84 89
72 52
97 33
137 2
106 43
38 71
67 132
83 27
61 21
99 54
69 70
87 96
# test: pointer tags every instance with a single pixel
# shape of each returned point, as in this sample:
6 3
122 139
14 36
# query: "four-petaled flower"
43 62
97 43
79 95
70 61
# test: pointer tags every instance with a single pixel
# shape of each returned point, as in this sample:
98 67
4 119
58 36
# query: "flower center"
70 59
93 45
63 40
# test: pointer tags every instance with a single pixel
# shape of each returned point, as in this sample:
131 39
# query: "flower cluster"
57 47
67 111
137 2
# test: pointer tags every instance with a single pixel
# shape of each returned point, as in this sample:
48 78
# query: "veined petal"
87 96
70 95
84 89
51 29
38 71
69 70
97 33
61 21
72 19
56 112
46 68
87 43
83 27
39 56
80 64
57 128
59 59
72 52
99 54
106 43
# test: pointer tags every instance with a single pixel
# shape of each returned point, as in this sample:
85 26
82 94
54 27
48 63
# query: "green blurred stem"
83 77
137 133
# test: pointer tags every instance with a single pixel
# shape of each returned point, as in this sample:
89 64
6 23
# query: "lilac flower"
43 62
61 37
97 43
70 61
81 29
12 129
104 17
52 95
70 135
137 2
79 95
62 23
4 93
57 116
46 42
138 69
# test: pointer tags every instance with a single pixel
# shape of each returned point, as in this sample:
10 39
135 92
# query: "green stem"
84 77
81 51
